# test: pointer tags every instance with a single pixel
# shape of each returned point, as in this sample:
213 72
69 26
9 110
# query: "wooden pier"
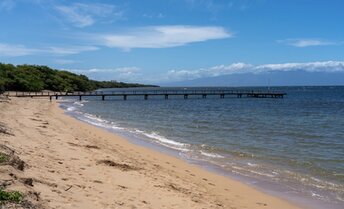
145 94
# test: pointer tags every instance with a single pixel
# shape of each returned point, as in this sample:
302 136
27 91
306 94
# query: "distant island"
38 78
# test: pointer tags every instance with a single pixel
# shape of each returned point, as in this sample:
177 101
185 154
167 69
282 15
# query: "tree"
38 78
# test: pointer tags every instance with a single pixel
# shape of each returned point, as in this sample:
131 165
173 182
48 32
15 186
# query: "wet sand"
76 165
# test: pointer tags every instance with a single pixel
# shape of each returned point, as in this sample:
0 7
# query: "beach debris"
176 188
28 181
261 204
123 167
122 187
92 147
69 188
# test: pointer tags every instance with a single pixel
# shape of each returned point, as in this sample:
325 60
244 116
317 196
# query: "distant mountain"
276 78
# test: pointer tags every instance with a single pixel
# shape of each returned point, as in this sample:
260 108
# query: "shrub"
13 196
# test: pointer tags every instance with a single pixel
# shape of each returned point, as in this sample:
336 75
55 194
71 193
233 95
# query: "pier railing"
141 92
156 92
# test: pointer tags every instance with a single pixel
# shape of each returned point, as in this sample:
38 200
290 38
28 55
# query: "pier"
145 94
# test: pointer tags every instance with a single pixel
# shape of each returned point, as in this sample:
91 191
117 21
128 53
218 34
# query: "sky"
162 41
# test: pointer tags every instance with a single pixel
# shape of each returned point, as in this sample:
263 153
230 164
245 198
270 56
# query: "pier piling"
163 93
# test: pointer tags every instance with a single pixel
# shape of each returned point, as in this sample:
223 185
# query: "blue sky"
156 41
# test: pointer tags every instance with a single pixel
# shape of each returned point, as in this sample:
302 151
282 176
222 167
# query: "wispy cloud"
64 61
12 50
307 42
16 50
70 50
163 36
82 15
127 74
216 6
7 4
237 68
152 16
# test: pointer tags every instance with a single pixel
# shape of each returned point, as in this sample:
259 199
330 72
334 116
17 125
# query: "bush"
38 78
13 196
3 158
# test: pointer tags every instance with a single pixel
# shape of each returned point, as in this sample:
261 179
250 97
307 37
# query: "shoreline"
127 175
166 144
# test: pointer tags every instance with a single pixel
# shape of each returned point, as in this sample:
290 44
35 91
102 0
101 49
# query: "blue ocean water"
292 146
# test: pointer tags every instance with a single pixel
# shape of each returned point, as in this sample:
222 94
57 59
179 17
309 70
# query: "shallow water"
295 144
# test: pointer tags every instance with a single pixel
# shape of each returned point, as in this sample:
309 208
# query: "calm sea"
293 147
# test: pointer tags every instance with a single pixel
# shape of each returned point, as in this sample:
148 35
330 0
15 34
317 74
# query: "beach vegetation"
3 158
12 196
38 78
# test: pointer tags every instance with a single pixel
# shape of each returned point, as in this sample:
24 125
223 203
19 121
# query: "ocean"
291 147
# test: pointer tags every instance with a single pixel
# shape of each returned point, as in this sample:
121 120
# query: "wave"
212 155
167 142
70 109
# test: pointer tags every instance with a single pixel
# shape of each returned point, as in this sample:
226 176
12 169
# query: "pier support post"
124 97
166 96
146 96
50 98
80 98
204 96
186 96
56 96
239 95
222 96
103 97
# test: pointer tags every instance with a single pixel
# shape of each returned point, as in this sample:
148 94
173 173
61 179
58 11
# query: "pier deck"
148 93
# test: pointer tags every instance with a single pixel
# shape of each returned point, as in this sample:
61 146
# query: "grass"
13 196
3 158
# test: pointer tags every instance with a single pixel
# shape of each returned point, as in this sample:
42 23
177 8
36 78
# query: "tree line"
38 78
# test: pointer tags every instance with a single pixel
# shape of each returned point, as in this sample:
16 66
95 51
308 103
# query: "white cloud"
135 74
64 61
151 16
16 50
127 74
307 42
70 50
82 15
328 66
11 50
7 4
237 68
163 36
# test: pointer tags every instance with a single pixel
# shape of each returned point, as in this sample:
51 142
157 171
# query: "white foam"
212 155
316 195
94 120
165 142
79 104
69 109
163 139
94 117
252 164
262 174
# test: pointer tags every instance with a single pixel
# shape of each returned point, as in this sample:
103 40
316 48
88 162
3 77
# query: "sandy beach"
70 164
